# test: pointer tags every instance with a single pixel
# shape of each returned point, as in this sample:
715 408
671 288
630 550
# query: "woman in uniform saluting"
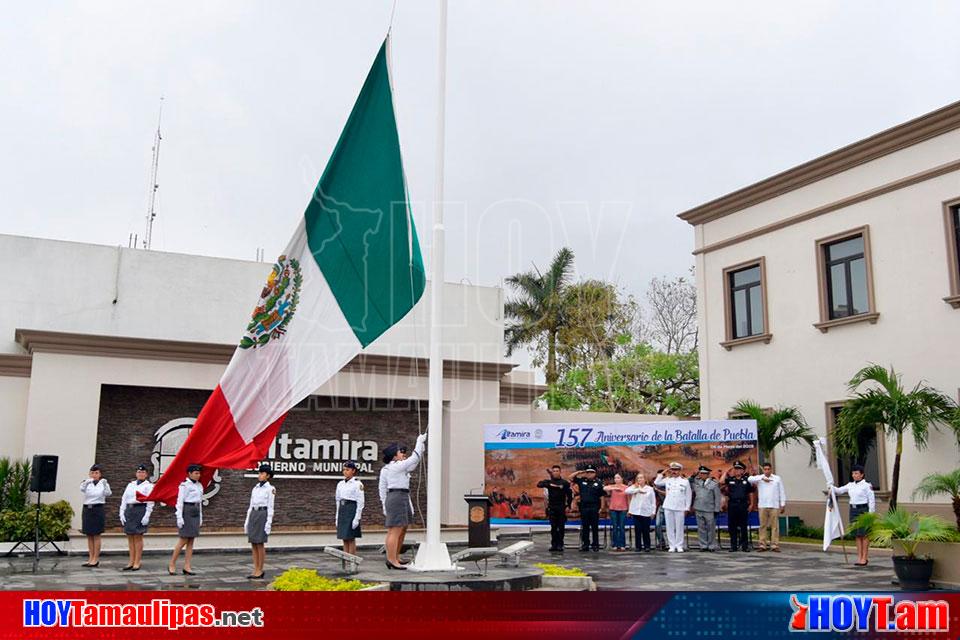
95 490
189 518
135 516
349 499
260 519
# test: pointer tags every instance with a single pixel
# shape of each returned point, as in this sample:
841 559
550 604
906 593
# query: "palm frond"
939 484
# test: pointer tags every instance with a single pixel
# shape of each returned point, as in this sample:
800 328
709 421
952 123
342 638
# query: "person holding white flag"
862 500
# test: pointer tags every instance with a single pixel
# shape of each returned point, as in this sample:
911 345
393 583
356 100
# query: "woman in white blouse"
95 490
862 501
350 501
189 518
643 506
135 516
260 518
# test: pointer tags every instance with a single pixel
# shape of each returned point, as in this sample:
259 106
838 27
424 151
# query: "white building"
807 276
78 319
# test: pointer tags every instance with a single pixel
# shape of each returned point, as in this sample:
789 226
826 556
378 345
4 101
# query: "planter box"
569 583
946 561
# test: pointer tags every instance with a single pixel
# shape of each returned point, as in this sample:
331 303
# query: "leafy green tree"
536 312
638 380
597 322
947 484
888 404
780 426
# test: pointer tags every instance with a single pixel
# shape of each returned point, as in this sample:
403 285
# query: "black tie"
261 483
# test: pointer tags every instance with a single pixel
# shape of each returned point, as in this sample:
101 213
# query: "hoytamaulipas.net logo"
62 612
862 612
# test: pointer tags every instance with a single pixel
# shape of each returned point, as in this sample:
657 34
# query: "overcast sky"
587 124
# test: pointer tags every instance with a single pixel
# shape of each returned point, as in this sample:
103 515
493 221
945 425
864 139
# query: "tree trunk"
551 372
895 487
956 510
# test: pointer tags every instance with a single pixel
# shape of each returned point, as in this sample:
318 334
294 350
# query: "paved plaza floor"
795 569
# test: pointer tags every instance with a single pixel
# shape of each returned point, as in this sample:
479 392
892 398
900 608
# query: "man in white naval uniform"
676 504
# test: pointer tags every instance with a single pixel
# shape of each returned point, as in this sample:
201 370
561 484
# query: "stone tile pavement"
794 569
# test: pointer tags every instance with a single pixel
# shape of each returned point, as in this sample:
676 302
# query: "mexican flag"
351 271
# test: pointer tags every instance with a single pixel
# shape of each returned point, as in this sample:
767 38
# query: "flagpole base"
432 556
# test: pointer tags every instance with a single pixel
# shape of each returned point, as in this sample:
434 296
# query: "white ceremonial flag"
832 523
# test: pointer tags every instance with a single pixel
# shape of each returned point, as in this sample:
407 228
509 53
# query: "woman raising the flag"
395 495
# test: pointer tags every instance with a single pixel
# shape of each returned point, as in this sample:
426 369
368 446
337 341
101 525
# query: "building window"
745 304
846 279
951 219
871 457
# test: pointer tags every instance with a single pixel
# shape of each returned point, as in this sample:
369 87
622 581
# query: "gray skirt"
399 511
191 521
257 526
346 512
133 514
94 519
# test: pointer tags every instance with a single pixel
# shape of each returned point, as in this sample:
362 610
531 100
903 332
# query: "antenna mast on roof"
154 186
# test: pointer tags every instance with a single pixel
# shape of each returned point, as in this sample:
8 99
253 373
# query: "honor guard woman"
349 498
135 516
189 518
95 490
862 500
260 519
395 495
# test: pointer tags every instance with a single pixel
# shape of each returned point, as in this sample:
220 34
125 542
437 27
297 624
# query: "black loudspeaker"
43 474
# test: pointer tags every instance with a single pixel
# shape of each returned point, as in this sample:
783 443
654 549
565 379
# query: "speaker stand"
36 540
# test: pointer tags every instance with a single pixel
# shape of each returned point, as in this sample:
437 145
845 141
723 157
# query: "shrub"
295 579
18 524
557 570
800 530
14 484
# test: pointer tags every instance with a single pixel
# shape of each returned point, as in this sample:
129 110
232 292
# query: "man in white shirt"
676 503
772 501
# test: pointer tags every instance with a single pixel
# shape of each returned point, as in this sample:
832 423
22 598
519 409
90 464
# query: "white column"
432 554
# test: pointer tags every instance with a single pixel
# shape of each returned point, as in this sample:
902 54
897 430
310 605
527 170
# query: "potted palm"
899 528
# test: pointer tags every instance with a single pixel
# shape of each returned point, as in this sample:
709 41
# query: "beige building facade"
807 276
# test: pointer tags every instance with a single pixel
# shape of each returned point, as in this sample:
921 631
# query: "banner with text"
517 456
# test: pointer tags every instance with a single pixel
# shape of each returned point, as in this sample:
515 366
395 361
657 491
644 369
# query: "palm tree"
942 484
887 403
537 309
781 426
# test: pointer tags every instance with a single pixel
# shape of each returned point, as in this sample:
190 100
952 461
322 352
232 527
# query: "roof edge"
909 133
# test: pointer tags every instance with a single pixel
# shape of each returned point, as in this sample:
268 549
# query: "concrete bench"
512 553
349 562
475 555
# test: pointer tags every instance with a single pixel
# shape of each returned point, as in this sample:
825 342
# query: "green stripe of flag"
358 224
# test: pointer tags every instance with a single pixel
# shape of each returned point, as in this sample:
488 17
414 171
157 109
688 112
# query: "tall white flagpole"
432 554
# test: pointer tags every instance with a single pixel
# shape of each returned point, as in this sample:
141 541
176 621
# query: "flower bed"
295 579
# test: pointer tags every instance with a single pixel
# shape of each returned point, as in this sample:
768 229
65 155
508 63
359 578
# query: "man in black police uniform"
591 494
737 490
559 499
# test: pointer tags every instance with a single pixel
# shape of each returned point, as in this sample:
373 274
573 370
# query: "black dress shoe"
134 568
129 567
91 565
390 565
253 577
188 573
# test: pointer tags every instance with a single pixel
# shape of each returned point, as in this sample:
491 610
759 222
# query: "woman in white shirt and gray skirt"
189 518
395 495
95 490
260 519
